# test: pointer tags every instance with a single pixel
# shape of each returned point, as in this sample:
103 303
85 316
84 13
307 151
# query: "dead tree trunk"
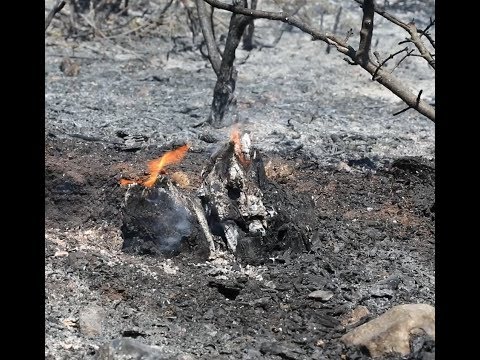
223 98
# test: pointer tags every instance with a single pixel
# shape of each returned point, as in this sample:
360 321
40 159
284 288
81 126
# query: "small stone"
355 315
320 343
322 295
341 166
61 254
391 332
90 320
69 67
69 323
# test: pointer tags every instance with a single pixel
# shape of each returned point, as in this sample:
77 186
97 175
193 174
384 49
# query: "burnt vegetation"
195 211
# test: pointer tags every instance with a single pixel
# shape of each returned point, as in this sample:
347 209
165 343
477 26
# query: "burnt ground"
352 183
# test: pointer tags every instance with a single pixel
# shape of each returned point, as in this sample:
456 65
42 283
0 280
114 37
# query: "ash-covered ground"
355 181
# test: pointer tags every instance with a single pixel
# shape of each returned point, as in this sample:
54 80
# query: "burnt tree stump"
232 198
161 221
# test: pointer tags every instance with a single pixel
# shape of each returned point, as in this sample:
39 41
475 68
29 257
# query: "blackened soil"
367 235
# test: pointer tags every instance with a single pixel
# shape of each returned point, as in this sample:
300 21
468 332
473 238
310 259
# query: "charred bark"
223 97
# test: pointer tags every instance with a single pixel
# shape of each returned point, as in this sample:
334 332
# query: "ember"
241 146
157 166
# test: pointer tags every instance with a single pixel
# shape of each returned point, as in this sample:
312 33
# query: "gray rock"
129 349
391 332
322 295
90 320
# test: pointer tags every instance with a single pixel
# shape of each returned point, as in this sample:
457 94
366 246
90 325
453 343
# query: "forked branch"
415 34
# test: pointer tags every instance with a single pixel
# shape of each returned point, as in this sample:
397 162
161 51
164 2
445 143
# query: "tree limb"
213 53
385 61
57 8
286 18
427 34
408 108
420 45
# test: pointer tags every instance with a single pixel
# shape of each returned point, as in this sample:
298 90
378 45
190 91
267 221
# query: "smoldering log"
232 197
160 220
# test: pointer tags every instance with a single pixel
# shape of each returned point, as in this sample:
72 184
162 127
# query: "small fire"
157 166
237 146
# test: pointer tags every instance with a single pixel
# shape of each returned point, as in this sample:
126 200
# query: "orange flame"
237 145
155 167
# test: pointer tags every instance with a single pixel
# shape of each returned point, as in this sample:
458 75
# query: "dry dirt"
354 185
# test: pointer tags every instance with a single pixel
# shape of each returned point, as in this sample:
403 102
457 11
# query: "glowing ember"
124 182
237 146
157 166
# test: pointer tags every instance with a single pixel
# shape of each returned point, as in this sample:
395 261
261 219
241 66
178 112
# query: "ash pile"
236 210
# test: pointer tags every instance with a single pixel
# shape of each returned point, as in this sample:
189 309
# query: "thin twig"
390 57
427 34
403 58
57 8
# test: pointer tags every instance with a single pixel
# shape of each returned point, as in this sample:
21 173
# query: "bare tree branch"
383 77
409 53
427 34
213 53
57 8
288 19
412 31
362 56
420 45
385 61
408 108
387 16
